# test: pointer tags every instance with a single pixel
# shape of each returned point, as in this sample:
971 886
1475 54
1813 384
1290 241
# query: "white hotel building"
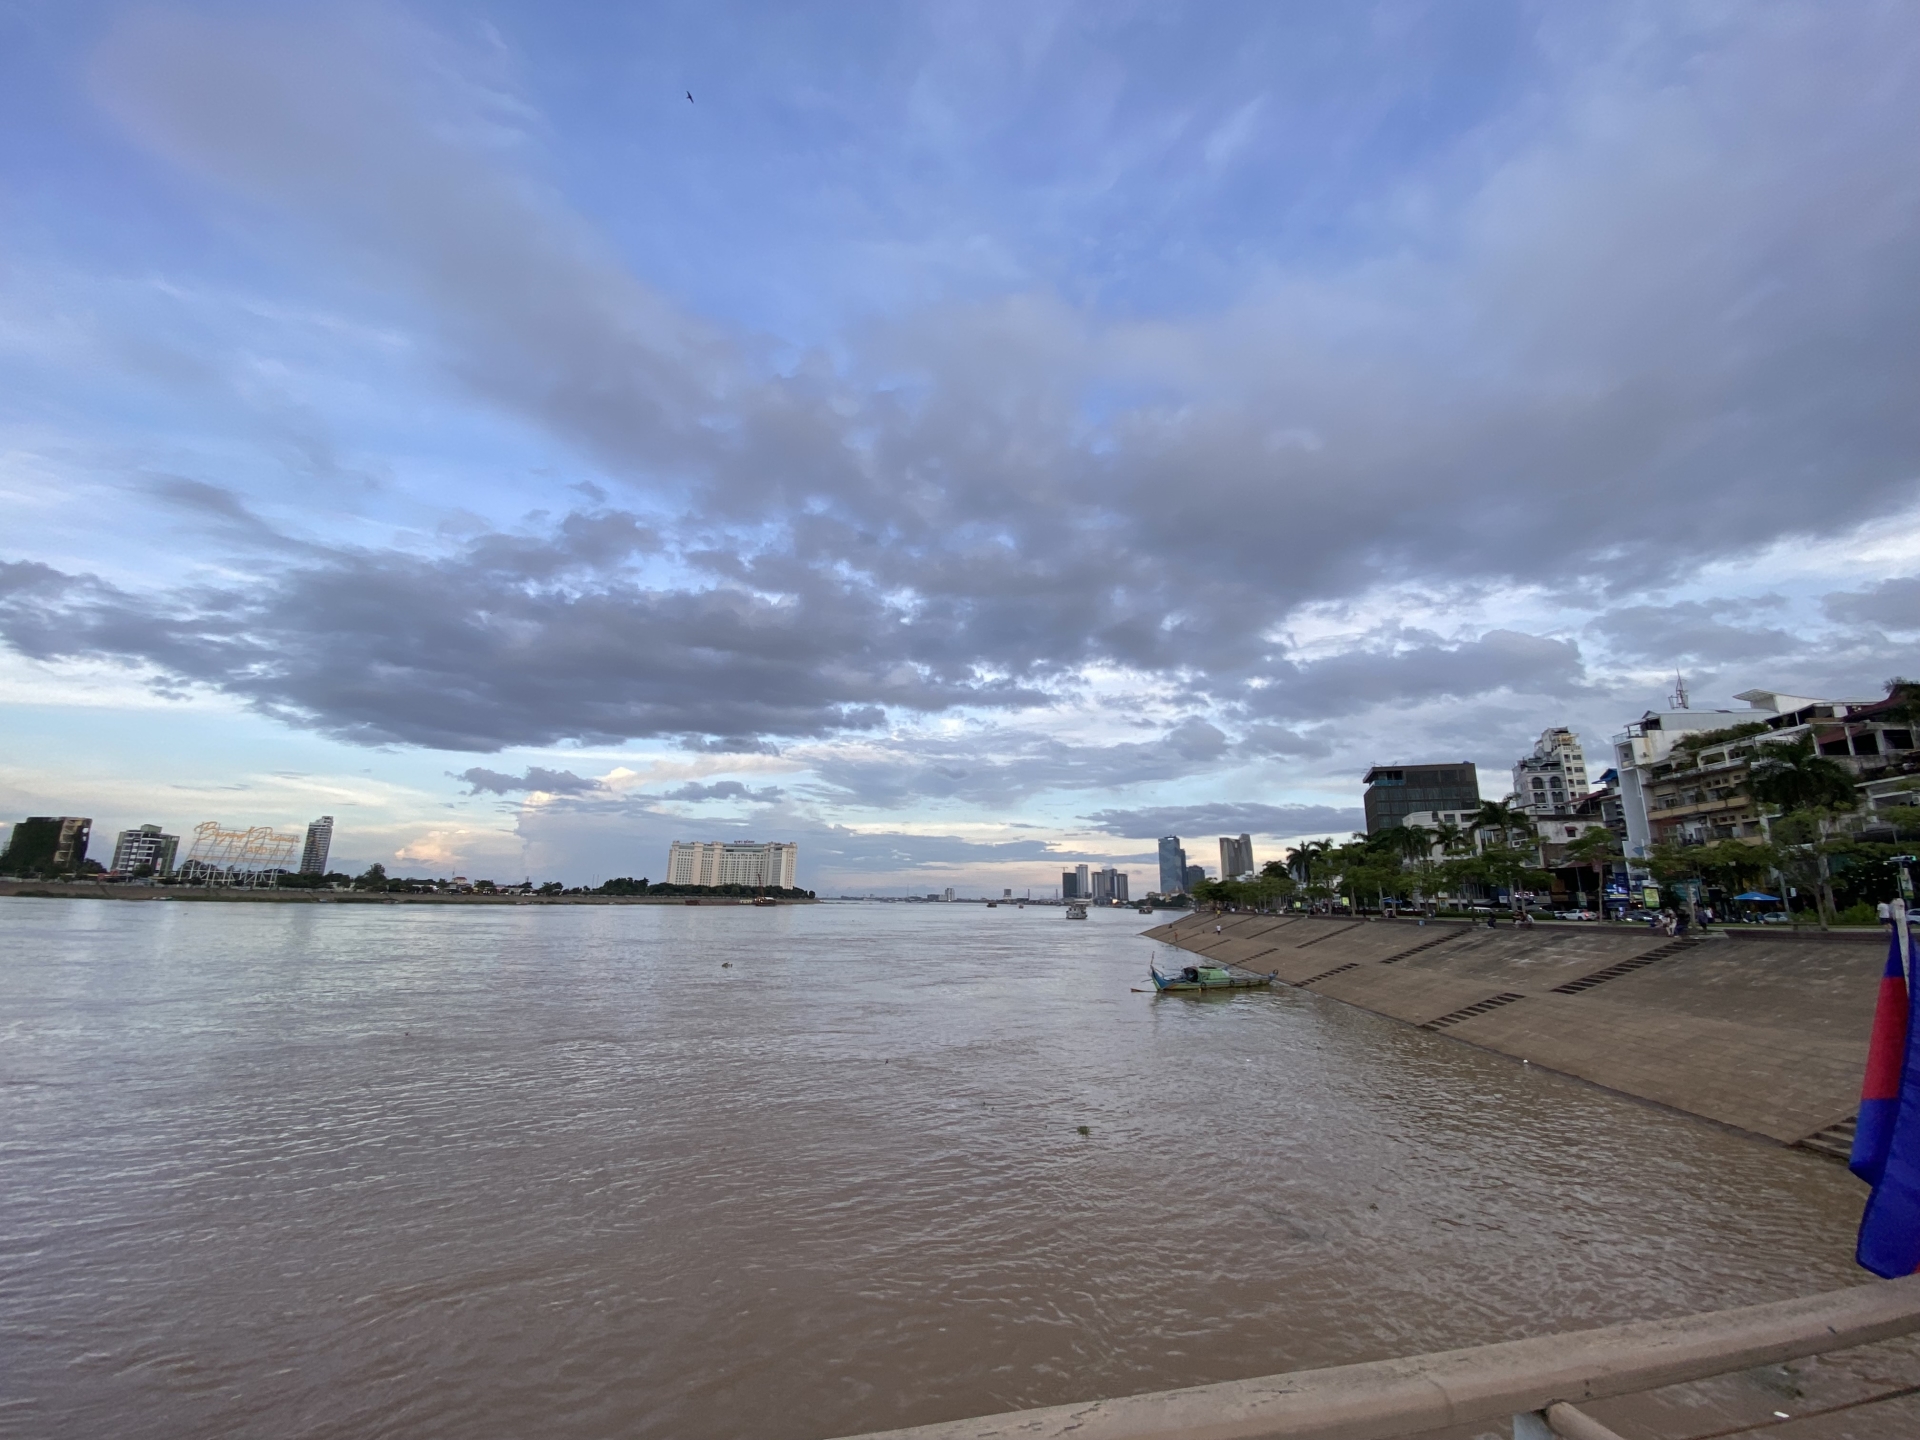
732 862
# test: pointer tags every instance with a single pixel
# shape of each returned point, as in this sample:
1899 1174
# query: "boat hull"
1171 984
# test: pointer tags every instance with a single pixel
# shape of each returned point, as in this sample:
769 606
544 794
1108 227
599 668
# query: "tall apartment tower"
1553 778
313 857
147 846
1173 866
1236 856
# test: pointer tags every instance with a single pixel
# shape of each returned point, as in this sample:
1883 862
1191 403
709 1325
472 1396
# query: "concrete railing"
1535 1381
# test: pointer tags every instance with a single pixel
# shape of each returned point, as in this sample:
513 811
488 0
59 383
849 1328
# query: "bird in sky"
689 97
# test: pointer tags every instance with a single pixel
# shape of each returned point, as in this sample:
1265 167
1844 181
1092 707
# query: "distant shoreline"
83 890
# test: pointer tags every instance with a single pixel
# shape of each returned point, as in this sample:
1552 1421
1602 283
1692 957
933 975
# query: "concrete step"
1835 1142
1467 1012
1327 974
1454 934
1625 967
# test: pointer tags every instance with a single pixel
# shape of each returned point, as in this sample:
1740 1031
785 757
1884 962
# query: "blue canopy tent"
1756 895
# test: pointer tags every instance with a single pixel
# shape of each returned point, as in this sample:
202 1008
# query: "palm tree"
1793 775
1503 817
1595 849
1452 839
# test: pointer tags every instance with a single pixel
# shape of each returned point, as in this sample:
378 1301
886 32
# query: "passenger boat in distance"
765 900
1143 909
1076 911
1211 977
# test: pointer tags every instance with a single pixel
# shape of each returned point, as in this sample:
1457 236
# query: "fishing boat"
1143 909
1211 977
1076 912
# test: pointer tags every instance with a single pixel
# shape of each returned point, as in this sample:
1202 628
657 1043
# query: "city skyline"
965 444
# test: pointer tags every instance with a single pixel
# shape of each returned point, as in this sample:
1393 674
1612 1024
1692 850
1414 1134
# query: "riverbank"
81 890
1762 1031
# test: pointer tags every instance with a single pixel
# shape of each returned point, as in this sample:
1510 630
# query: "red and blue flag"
1886 1145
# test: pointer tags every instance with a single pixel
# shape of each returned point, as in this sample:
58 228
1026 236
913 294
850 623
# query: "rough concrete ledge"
1384 1399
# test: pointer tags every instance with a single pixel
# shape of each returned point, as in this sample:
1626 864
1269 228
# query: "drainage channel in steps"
1835 1142
1428 945
1479 1007
1624 967
1329 935
1325 974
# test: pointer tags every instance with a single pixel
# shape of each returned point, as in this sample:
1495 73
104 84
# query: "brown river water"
670 1172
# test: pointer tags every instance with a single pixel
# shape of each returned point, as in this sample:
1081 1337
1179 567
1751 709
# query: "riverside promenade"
1758 1030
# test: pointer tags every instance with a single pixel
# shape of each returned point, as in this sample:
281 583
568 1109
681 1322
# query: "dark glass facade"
1397 791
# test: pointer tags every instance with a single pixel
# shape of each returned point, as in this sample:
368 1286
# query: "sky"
965 440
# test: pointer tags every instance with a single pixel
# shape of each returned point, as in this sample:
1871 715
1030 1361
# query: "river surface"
723 1172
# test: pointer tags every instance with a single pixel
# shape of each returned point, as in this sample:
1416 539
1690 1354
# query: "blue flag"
1890 1228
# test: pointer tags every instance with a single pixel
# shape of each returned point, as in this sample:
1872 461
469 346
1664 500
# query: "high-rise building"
146 846
47 842
947 895
1117 886
1396 791
1236 856
1070 886
733 862
1173 866
313 857
1081 886
1553 778
1109 884
1196 875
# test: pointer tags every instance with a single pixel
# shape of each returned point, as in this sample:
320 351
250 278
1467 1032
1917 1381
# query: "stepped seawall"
1761 1031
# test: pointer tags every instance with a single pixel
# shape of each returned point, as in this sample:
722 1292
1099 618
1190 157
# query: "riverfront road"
1754 1029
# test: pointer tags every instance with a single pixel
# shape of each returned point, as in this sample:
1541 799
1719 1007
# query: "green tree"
374 877
1596 849
1504 820
1792 775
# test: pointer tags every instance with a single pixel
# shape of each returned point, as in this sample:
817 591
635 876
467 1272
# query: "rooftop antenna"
1679 697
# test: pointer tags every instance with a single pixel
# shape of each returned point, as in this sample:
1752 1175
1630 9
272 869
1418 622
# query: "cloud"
515 640
722 790
1398 666
1894 604
551 782
1623 298
1226 818
1692 631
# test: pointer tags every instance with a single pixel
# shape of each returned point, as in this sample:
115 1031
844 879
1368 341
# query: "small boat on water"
1076 912
765 900
993 904
1211 977
1143 909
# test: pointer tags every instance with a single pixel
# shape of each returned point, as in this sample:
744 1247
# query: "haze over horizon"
965 442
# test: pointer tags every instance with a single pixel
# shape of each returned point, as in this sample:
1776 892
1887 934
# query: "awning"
1756 895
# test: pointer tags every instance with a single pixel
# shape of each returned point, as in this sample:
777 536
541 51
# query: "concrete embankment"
1762 1031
